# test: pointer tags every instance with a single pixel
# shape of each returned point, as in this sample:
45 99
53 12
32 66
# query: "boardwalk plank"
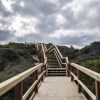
58 88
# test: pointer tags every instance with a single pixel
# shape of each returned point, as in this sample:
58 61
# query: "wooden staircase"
54 69
60 87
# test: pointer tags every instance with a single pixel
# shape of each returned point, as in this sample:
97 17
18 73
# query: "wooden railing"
40 48
44 46
16 82
61 60
77 77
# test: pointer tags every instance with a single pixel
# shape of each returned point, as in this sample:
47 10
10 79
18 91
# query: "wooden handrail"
43 51
16 81
89 72
50 48
40 48
55 47
58 58
84 87
92 74
61 60
45 48
10 83
59 52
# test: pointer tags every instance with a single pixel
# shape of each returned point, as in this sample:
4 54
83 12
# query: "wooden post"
46 74
97 89
79 78
36 77
63 60
41 72
45 68
68 70
33 76
72 78
71 70
19 91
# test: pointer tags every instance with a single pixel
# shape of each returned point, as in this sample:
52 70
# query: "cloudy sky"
64 22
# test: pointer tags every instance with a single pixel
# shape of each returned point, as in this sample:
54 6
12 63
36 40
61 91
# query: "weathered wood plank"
10 83
89 72
58 88
19 91
84 87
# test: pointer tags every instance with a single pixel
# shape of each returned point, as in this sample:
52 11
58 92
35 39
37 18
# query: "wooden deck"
58 88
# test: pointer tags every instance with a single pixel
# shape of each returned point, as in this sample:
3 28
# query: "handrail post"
71 69
42 68
97 89
79 78
36 78
45 68
68 70
19 91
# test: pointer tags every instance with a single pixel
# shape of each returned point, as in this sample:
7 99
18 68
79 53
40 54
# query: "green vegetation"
89 57
49 45
15 58
92 64
70 52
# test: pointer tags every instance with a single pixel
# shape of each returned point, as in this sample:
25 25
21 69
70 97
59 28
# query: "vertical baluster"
19 91
42 68
45 68
33 76
97 89
36 77
79 78
68 70
71 70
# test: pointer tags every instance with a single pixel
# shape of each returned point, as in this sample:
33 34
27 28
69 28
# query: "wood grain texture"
58 88
89 72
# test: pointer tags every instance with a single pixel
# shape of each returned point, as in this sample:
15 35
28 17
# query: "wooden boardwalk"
58 88
56 85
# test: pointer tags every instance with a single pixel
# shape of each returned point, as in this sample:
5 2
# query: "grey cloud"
3 11
46 12
4 35
48 8
34 8
43 10
35 37
47 25
82 21
81 40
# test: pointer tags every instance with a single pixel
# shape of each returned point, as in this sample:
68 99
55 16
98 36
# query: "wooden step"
53 66
58 88
52 61
56 74
51 55
56 71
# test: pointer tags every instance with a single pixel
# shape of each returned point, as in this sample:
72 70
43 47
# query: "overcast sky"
64 22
